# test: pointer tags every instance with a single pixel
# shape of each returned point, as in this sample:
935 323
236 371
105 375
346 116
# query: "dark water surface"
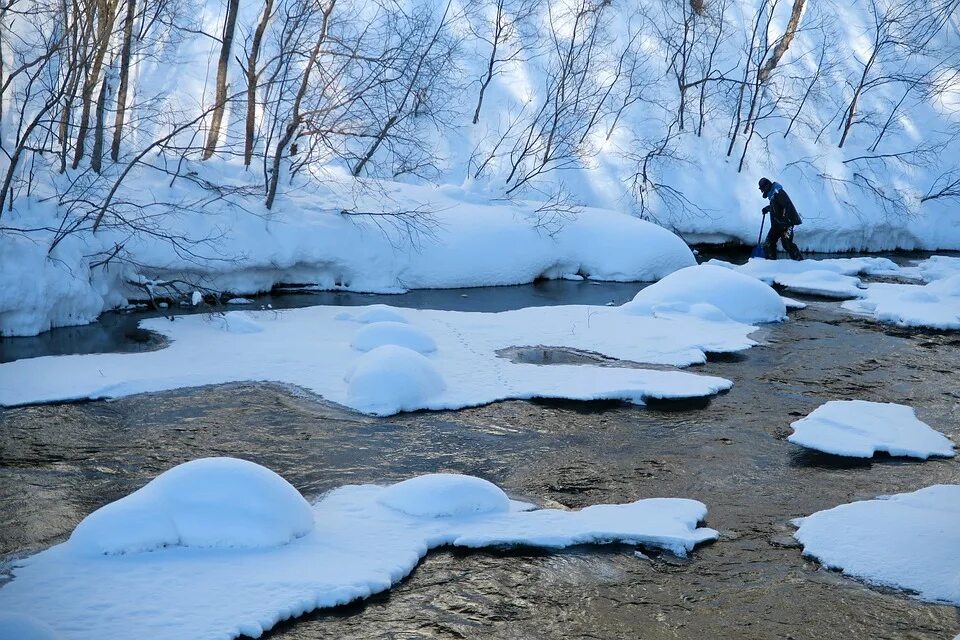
60 462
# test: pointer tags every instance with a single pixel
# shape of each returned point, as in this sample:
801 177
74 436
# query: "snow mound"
377 334
819 282
938 267
359 547
379 313
907 541
858 428
239 322
17 626
442 495
210 502
239 301
742 298
390 379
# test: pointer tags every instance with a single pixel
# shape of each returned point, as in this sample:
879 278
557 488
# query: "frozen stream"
59 462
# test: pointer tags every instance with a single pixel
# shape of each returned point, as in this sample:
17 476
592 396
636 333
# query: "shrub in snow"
17 626
740 297
859 429
377 334
210 502
390 379
440 495
239 322
908 540
379 313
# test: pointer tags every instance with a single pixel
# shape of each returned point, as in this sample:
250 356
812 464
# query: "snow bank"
210 502
307 240
401 334
443 495
907 541
358 547
390 379
18 626
740 297
467 368
859 429
40 291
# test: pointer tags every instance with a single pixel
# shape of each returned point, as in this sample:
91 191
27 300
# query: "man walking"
783 218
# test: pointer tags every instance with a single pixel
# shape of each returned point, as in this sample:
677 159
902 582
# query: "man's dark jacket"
781 209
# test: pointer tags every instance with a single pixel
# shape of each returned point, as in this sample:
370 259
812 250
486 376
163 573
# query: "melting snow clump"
859 429
389 379
906 541
209 502
742 298
442 495
401 334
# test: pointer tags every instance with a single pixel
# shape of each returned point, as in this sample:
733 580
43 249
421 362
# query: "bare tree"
229 28
504 34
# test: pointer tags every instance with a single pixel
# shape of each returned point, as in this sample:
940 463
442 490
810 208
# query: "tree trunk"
252 78
781 48
96 154
295 116
229 26
105 11
124 79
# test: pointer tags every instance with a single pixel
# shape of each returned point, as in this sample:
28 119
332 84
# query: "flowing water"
59 462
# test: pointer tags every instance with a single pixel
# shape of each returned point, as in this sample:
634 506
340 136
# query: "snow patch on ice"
858 428
444 495
932 305
740 297
820 282
358 547
907 541
209 502
770 270
310 348
239 301
793 304
390 379
401 334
